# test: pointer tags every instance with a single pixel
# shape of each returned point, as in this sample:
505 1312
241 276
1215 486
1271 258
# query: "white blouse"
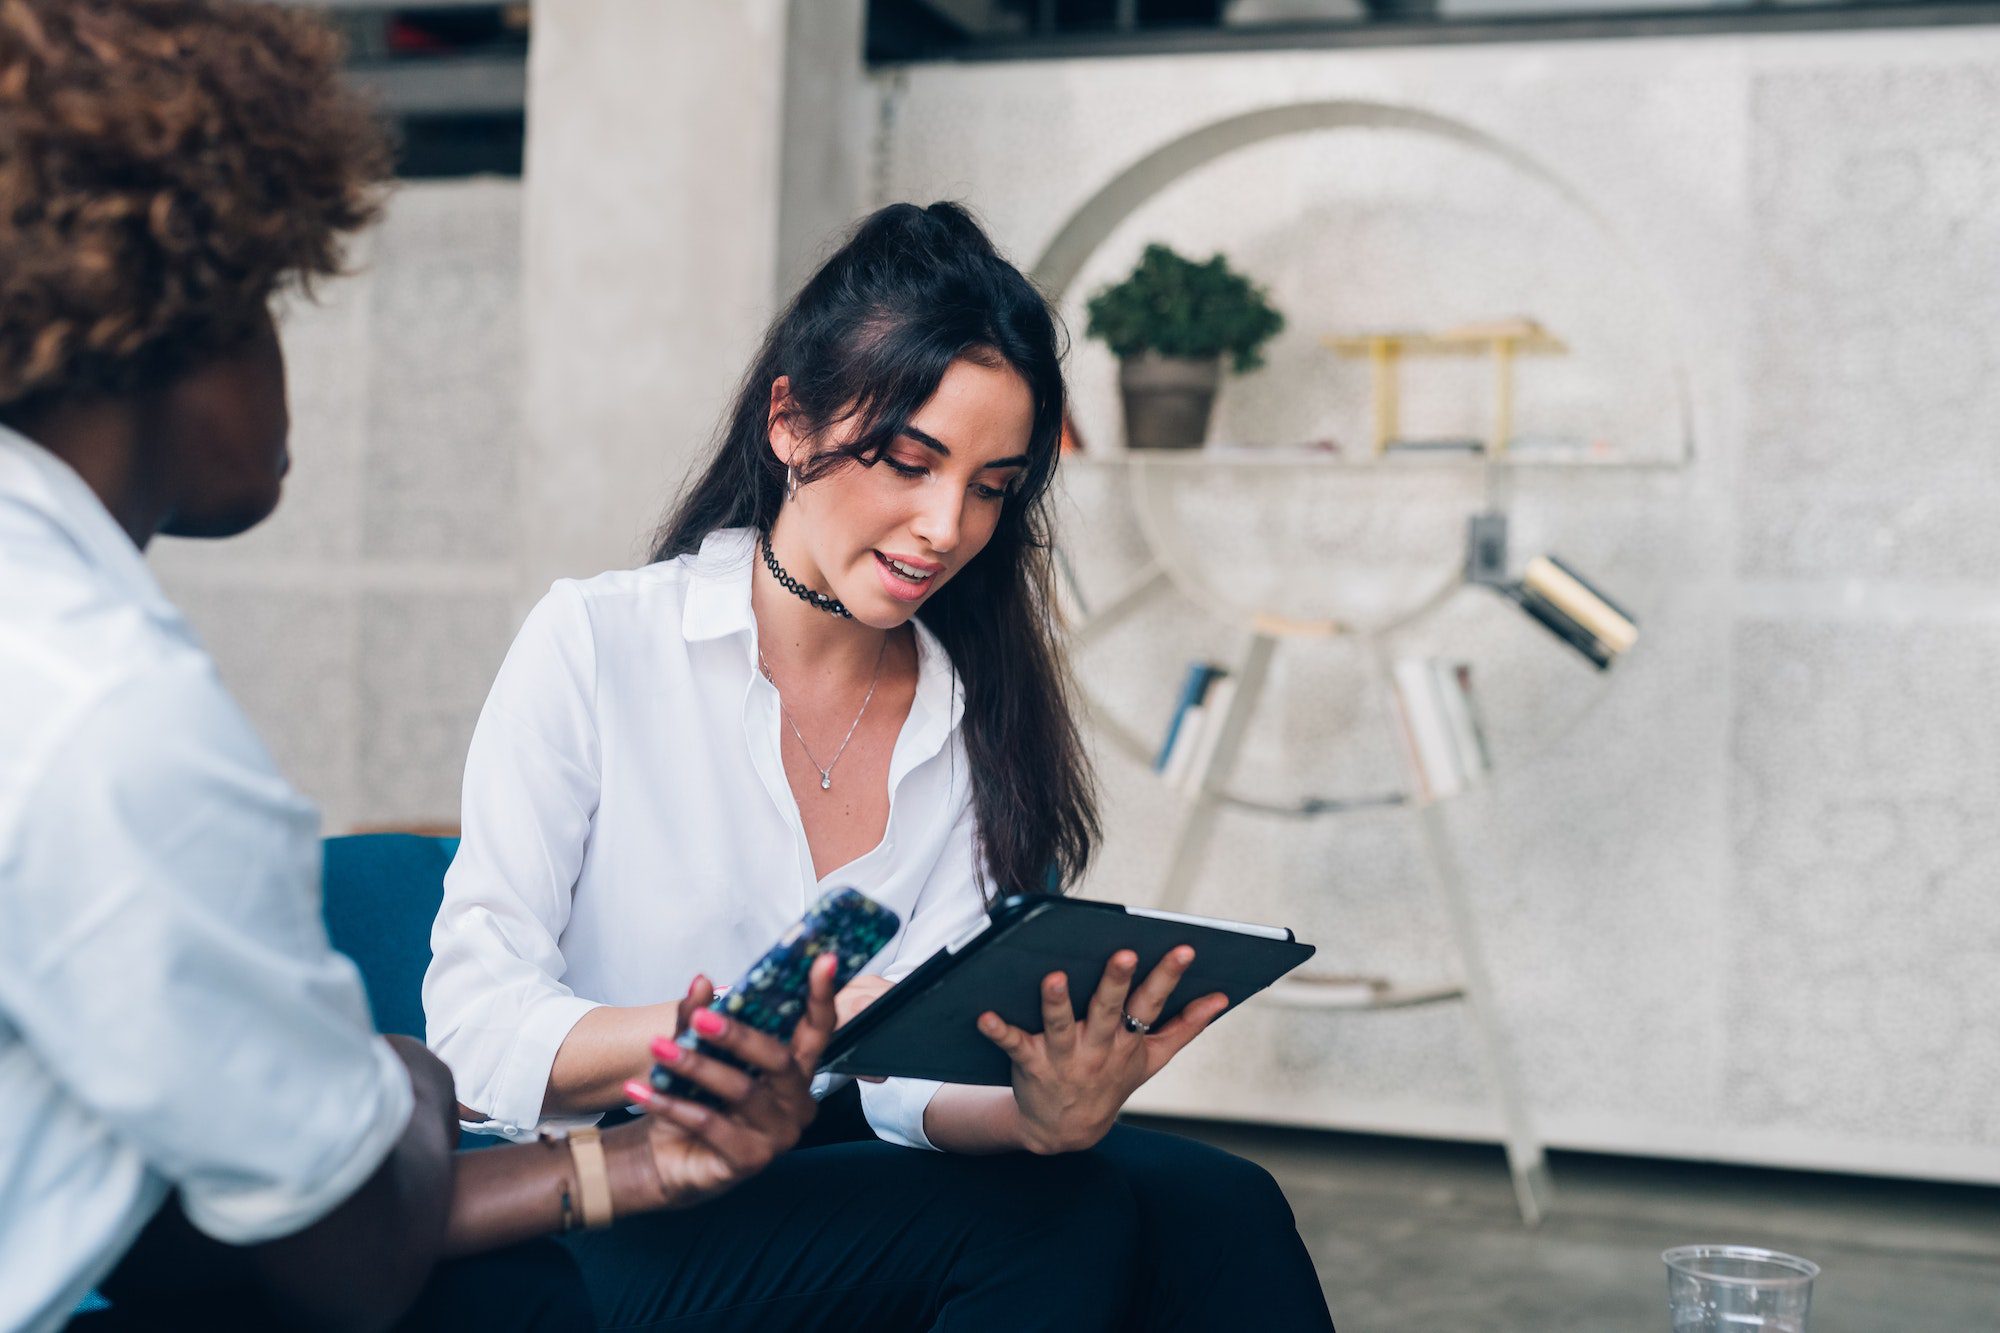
627 824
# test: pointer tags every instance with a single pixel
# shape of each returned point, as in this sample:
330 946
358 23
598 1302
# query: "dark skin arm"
362 1265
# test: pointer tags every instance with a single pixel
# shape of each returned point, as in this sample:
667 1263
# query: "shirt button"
510 1129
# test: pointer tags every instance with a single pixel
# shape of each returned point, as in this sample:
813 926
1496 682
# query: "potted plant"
1171 323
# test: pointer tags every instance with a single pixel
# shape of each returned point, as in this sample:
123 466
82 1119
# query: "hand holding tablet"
930 1024
1073 1077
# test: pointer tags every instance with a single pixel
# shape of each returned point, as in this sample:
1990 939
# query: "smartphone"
771 996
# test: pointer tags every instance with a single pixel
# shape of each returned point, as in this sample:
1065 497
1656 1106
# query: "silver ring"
1134 1025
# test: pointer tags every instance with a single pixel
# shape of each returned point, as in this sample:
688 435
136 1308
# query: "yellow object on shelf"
1502 339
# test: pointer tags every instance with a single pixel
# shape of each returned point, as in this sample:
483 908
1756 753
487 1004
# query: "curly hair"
165 166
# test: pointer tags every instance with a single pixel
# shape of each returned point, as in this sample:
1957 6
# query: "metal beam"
378 6
446 85
1450 31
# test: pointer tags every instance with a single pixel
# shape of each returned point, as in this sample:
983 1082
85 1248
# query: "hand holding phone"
765 1096
771 996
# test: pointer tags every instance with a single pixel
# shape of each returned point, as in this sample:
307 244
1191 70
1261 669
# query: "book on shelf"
1191 734
1570 593
1180 755
1199 675
1461 712
1553 619
1440 725
1207 733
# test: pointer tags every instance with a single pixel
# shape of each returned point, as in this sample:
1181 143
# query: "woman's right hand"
699 1152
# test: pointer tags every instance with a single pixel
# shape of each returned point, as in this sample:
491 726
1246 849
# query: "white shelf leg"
1526 1161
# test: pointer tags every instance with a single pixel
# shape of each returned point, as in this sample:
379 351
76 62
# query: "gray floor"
1417 1237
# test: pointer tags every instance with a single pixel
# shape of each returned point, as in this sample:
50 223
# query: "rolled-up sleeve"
950 902
162 950
496 1009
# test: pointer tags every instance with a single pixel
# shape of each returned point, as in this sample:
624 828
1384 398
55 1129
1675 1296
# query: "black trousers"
857 1236
1218 1245
1147 1232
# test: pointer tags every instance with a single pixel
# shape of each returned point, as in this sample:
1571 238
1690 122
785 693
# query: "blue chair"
382 891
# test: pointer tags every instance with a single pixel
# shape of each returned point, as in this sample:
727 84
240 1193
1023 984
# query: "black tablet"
924 1026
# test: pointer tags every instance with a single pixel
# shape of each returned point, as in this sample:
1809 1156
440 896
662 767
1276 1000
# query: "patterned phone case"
771 996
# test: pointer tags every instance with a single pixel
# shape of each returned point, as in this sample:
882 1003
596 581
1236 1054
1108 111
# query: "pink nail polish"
665 1051
708 1023
637 1093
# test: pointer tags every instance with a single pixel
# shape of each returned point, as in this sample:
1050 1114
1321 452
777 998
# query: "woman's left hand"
1072 1078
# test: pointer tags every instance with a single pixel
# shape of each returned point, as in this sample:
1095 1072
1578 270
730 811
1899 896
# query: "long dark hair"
868 339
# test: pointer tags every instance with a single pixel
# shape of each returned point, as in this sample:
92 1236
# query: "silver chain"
825 772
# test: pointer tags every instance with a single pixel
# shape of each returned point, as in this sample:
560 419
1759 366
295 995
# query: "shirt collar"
718 605
35 478
718 596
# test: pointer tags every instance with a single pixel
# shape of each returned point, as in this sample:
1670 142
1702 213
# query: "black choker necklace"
825 602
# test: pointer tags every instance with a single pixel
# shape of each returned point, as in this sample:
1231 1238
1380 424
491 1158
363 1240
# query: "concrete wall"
828 137
1736 892
653 183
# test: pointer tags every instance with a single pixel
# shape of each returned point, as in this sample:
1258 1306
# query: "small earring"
791 483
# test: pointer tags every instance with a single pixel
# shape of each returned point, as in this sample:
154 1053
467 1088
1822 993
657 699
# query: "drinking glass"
1737 1289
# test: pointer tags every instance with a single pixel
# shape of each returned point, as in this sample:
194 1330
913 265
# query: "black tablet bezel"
1005 916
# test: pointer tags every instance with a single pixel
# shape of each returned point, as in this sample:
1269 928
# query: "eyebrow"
937 446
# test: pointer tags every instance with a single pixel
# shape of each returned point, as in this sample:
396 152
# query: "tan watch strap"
593 1177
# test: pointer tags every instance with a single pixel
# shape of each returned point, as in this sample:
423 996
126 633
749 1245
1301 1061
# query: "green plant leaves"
1177 307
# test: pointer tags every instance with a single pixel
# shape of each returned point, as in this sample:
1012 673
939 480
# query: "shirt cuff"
895 1110
249 1218
823 1086
521 1084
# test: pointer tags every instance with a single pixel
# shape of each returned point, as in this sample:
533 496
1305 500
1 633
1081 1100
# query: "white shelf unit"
1206 792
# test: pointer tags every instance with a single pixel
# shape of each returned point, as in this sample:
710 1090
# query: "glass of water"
1736 1289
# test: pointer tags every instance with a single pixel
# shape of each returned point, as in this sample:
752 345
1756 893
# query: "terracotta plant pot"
1168 399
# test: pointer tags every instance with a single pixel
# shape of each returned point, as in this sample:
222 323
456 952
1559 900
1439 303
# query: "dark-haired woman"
839 669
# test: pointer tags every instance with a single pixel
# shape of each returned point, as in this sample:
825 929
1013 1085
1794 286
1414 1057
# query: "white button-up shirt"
627 824
171 1015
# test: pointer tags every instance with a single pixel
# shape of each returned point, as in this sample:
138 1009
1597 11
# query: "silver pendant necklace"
825 771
